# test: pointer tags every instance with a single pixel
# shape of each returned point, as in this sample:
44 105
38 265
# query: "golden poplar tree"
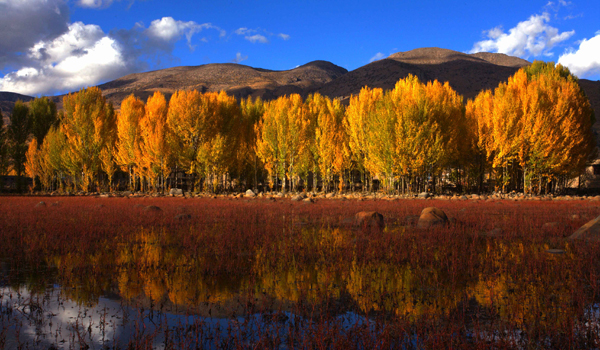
536 126
154 152
128 135
331 140
247 162
280 139
89 124
32 163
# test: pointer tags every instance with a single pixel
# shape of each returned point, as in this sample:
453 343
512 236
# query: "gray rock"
176 192
250 193
424 195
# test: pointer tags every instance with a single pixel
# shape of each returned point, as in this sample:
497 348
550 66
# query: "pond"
278 276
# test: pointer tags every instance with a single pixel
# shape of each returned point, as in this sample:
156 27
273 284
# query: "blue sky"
55 46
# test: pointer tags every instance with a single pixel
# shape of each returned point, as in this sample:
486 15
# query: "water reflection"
117 291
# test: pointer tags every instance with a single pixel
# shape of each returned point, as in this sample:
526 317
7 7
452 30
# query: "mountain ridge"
468 74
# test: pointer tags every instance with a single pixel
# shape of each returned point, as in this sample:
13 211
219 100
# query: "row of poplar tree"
531 133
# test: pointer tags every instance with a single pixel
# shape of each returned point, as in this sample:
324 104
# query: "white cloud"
257 38
585 61
100 4
96 4
532 37
169 30
82 56
239 58
378 56
244 31
283 36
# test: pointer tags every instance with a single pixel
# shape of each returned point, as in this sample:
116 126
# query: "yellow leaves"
32 164
89 124
282 135
128 124
414 128
540 118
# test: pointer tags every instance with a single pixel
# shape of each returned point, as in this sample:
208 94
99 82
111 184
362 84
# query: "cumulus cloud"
80 57
168 30
239 58
532 37
378 56
84 55
585 61
26 22
257 38
283 36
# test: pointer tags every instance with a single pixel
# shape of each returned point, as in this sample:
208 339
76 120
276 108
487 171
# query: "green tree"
3 150
18 134
43 115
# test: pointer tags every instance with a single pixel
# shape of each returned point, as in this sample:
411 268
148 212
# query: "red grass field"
454 286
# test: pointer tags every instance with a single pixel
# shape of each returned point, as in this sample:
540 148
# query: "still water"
152 292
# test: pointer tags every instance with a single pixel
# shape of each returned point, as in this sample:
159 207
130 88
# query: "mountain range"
468 74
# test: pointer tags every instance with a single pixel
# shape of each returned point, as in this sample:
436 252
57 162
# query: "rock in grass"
369 219
589 232
152 208
40 204
182 217
176 192
431 217
424 195
250 193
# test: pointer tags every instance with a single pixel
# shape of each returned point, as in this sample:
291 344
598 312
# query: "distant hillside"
7 102
467 74
238 80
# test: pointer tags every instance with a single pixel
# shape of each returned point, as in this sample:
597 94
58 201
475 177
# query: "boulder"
369 219
176 192
423 195
250 194
152 208
432 217
589 232
297 198
40 204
